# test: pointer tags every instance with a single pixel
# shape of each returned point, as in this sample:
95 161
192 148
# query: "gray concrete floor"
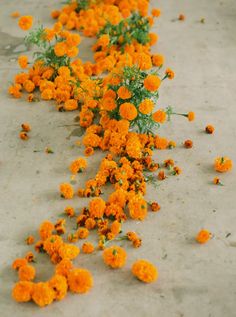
194 280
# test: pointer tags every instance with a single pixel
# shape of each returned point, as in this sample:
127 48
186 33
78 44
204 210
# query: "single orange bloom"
69 211
83 233
223 164
146 106
159 116
15 14
209 129
66 191
217 181
80 280
181 17
108 103
23 61
22 291
26 127
26 273
71 105
124 93
152 82
203 236
155 206
29 240
114 257
60 49
43 294
87 247
156 12
158 60
59 285
191 116
23 136
169 73
145 271
188 144
128 111
25 22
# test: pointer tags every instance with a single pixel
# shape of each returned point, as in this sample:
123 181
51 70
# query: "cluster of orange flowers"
118 116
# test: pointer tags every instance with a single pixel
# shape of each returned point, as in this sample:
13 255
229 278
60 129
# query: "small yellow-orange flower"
23 61
26 273
128 111
114 256
145 271
159 116
25 22
22 291
152 82
146 106
223 164
66 191
42 294
203 236
80 280
124 93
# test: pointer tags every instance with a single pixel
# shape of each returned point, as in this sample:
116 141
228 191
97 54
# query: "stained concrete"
194 280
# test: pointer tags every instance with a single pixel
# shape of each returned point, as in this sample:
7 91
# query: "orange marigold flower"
97 207
87 247
83 233
181 17
63 268
145 271
152 82
223 164
78 165
191 116
55 14
69 211
52 244
90 223
137 208
217 181
59 285
71 105
115 227
80 280
42 294
146 106
29 240
156 12
203 236
46 229
15 14
131 236
25 127
60 49
176 171
18 263
155 206
161 175
108 103
68 251
25 22
66 191
159 116
169 73
23 136
158 60
153 38
23 61
30 257
22 291
15 90
188 144
209 129
88 151
160 143
29 86
114 256
26 273
124 93
128 111
137 243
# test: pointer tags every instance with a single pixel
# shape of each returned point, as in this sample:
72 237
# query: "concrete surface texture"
194 280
